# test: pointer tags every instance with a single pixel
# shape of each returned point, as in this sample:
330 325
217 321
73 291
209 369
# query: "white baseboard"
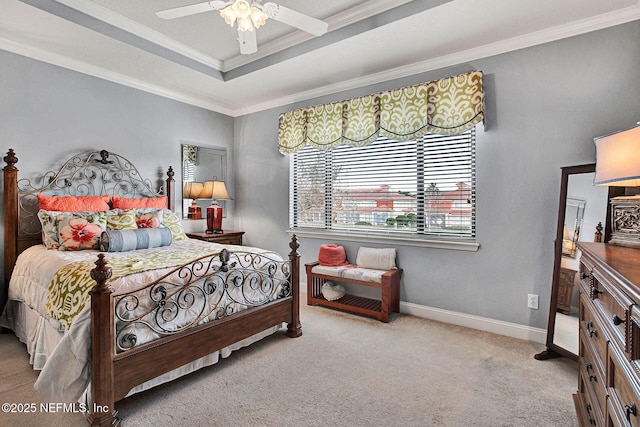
513 330
499 327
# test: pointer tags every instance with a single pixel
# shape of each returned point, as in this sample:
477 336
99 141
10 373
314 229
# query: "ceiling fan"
250 15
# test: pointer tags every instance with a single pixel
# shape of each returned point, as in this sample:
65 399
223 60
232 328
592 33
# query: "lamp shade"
618 159
192 190
215 190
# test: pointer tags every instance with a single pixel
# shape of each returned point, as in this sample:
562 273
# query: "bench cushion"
350 271
377 258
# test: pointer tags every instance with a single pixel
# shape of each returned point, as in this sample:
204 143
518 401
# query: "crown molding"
119 21
65 62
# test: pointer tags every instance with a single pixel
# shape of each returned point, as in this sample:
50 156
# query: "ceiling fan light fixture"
245 24
246 15
250 15
228 15
258 17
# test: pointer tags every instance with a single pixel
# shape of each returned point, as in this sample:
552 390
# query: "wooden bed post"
294 329
10 217
171 190
102 411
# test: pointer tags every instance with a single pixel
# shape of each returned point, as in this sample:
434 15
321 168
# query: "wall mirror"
200 164
581 207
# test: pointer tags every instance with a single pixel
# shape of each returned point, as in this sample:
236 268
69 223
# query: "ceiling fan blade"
295 19
248 42
192 9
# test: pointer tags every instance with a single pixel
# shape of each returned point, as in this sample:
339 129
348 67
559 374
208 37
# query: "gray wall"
545 105
48 114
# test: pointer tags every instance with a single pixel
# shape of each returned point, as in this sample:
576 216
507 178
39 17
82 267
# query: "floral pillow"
49 222
172 221
149 218
118 219
81 232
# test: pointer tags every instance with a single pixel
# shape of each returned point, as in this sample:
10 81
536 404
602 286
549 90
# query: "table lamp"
215 190
618 164
193 191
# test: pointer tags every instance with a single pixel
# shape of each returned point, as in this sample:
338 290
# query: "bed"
139 305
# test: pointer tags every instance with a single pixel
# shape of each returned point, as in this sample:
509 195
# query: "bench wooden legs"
390 302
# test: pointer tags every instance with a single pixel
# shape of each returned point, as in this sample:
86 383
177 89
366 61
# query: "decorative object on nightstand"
193 191
618 164
215 190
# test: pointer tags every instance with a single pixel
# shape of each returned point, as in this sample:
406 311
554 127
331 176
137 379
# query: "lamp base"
625 226
194 213
214 217
214 231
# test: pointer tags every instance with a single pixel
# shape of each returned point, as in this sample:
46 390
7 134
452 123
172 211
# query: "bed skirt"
41 338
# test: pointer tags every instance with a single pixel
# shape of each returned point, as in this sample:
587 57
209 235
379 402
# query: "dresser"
609 352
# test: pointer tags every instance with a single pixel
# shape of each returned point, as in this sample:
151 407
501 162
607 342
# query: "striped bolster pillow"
128 240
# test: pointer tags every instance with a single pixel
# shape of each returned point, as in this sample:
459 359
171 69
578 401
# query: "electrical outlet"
532 301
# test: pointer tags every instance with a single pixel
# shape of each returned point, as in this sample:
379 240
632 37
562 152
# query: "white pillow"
332 291
377 258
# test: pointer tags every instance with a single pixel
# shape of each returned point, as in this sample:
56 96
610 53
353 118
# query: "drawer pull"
595 292
617 320
584 275
591 420
590 331
592 377
630 410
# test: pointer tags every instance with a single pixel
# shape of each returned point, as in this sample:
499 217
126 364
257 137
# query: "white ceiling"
196 59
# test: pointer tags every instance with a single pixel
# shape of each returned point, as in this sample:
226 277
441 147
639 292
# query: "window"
423 187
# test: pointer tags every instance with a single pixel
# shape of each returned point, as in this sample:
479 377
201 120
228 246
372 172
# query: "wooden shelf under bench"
388 303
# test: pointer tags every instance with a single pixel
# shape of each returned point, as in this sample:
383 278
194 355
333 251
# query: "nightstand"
225 238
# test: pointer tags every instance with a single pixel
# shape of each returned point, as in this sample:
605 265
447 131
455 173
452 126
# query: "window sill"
460 245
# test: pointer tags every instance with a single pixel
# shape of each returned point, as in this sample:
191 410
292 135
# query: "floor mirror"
582 216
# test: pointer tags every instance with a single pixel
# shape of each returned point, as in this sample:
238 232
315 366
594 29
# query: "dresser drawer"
614 307
591 331
592 371
623 389
586 268
592 412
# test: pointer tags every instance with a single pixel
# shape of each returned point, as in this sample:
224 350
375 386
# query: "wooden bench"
389 286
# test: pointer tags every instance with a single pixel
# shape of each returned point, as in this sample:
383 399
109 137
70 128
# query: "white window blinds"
424 187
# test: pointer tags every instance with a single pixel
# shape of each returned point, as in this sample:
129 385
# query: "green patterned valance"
189 154
447 107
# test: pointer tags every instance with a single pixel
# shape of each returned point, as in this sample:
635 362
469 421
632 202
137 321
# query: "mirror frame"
553 350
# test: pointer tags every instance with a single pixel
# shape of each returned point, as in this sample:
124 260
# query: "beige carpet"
344 371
